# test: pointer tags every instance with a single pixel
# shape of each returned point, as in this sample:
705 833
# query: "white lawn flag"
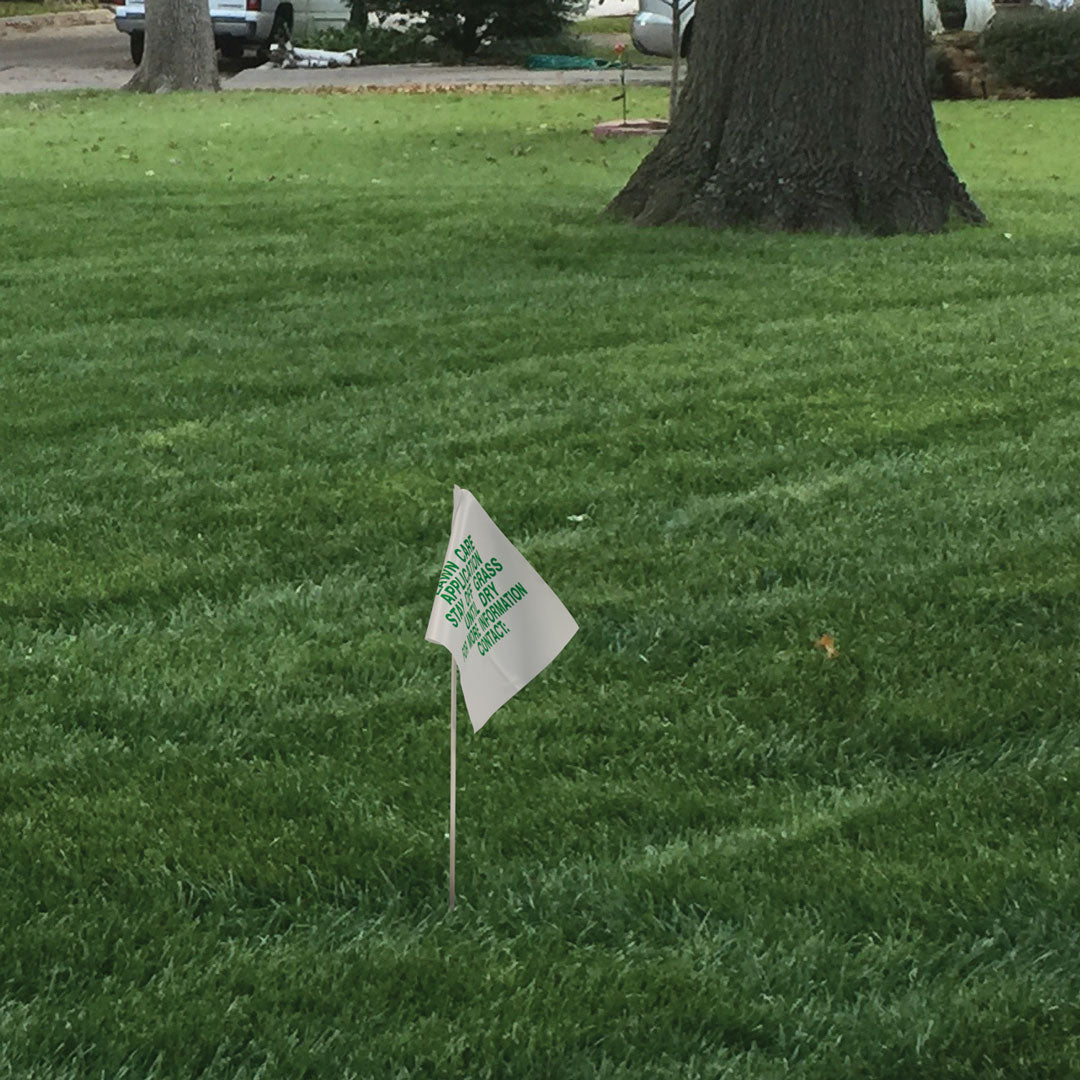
498 618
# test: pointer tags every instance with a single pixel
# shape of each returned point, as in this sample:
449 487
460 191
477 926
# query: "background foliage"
1040 52
466 25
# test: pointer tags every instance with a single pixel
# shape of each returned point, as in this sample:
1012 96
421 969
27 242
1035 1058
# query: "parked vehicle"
651 29
240 25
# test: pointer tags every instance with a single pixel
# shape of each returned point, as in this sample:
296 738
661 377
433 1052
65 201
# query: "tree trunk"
808 116
179 52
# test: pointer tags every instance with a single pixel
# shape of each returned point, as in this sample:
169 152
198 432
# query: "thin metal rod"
453 772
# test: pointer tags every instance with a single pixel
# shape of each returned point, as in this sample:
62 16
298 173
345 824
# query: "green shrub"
1040 52
411 45
467 26
517 50
381 44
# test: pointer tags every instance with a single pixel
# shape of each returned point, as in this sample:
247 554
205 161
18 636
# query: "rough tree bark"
179 52
802 116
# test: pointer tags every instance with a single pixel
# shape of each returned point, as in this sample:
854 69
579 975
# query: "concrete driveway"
383 75
84 51
81 51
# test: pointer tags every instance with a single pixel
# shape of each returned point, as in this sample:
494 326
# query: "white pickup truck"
651 29
246 24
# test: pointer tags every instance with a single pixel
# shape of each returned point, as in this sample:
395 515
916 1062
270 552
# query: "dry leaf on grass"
828 643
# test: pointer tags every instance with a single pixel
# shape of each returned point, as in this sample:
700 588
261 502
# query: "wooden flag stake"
453 770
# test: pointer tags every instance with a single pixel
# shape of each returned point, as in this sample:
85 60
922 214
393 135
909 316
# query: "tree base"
167 83
802 118
830 199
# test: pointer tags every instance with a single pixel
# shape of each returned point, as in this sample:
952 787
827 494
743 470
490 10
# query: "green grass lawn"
604 24
247 346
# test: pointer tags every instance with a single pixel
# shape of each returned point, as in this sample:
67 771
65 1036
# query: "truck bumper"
651 34
234 28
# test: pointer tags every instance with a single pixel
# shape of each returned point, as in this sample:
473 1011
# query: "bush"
1040 52
381 44
397 44
468 25
518 50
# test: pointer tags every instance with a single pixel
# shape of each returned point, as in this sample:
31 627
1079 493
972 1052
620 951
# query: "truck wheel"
282 28
232 49
687 38
137 43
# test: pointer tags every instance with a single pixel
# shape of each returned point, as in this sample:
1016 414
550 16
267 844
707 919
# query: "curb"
418 78
29 24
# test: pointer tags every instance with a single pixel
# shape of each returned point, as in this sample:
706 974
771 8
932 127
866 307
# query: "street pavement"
84 51
41 53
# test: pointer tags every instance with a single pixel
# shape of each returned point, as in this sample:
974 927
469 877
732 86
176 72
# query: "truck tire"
687 38
137 44
282 28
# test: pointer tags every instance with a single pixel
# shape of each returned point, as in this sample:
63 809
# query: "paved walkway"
269 77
